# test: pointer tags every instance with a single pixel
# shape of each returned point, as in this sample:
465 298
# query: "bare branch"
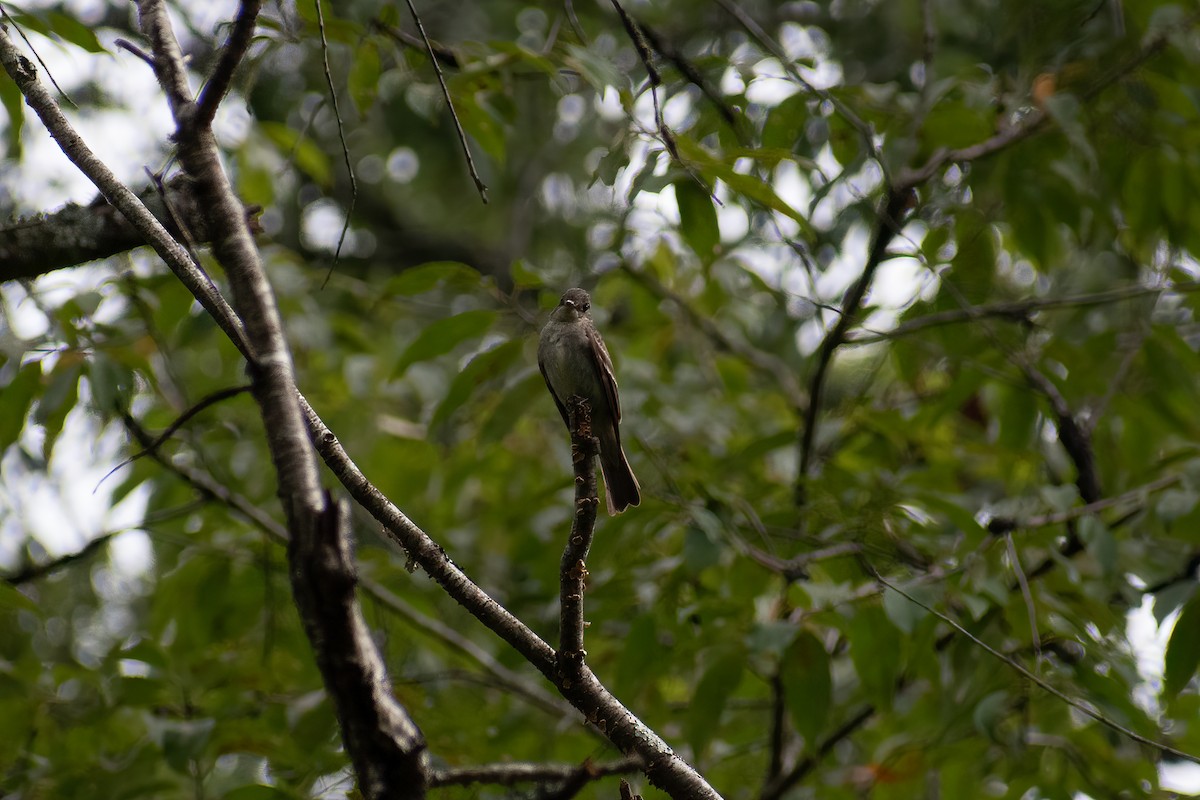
1001 525
231 56
511 774
844 111
573 568
443 54
35 571
205 402
688 70
1035 119
29 44
209 487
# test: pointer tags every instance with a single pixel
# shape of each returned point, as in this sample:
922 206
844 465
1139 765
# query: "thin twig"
1078 705
693 76
32 49
1033 121
1001 525
1020 311
152 447
480 186
232 54
337 115
443 54
125 44
188 240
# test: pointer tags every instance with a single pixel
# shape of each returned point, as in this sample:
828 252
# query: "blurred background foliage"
167 661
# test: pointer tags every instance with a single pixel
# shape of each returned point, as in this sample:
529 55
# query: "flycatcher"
575 362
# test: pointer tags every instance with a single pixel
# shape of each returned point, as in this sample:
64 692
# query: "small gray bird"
575 362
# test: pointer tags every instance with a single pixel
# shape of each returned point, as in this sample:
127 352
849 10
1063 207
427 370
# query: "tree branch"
514 773
1019 311
885 230
231 56
76 234
573 568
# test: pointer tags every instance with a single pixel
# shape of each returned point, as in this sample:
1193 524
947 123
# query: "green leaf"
1183 650
302 150
875 649
14 106
518 399
807 686
58 400
112 384
75 32
485 367
15 400
12 598
989 713
1175 504
1100 543
363 80
597 70
697 220
427 277
904 613
750 186
710 698
443 336
258 792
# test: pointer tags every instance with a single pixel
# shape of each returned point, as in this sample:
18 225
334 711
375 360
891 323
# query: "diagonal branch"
209 487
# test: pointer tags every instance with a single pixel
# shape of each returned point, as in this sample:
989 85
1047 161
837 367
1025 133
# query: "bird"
575 363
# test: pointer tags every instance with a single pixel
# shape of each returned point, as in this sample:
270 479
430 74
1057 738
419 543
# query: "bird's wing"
561 408
604 366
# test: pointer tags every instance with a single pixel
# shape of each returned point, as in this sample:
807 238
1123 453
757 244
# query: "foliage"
718 249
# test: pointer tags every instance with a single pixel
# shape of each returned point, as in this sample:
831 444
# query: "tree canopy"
901 298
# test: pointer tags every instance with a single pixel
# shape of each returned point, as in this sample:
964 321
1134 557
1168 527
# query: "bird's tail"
621 488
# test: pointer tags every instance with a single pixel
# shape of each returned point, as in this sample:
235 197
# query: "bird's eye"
585 306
